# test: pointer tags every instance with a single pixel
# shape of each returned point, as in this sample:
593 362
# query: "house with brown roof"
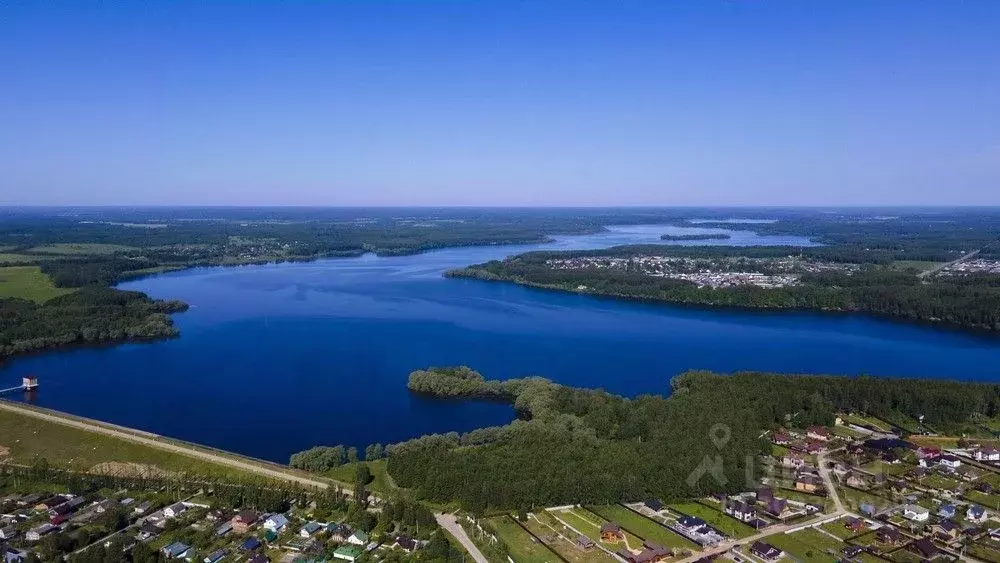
808 483
243 521
651 553
889 535
855 525
611 532
818 433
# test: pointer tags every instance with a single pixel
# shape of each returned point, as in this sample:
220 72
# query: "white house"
916 513
174 510
36 534
987 454
275 522
950 461
976 513
309 529
358 538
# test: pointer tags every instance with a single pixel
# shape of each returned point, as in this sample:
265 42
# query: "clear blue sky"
500 103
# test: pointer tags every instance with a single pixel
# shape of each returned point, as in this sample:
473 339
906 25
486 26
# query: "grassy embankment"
25 438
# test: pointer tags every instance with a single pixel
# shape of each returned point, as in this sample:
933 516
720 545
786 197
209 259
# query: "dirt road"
147 439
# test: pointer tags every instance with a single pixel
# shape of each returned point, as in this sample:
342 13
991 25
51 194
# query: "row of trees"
587 446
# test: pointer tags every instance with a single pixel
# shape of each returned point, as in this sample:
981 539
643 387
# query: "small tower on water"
29 383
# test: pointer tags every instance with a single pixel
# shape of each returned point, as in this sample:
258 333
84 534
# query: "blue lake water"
277 358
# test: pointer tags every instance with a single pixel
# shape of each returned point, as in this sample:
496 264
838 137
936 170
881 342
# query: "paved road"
248 466
450 523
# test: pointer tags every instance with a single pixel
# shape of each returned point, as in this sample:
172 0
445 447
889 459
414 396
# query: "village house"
868 509
778 507
976 514
175 550
854 479
250 544
740 511
243 521
987 454
924 547
766 551
946 530
8 533
39 532
808 483
889 535
946 511
765 494
818 433
309 529
275 522
347 552
651 553
611 532
855 525
916 513
793 459
406 543
174 510
359 537
781 438
338 532
584 543
142 507
215 556
950 462
697 530
653 504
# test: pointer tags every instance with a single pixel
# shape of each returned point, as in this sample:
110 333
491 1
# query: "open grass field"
28 282
642 526
939 482
853 498
80 249
878 466
23 438
991 501
725 524
866 422
7 259
381 483
984 552
915 265
808 545
521 545
562 540
839 529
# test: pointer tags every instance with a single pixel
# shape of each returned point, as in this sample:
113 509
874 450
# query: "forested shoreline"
969 302
90 315
575 445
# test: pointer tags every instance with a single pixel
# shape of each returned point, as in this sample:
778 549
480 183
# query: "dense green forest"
90 315
971 301
588 446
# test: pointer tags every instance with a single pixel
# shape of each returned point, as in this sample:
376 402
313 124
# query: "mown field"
562 540
808 545
28 282
522 546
